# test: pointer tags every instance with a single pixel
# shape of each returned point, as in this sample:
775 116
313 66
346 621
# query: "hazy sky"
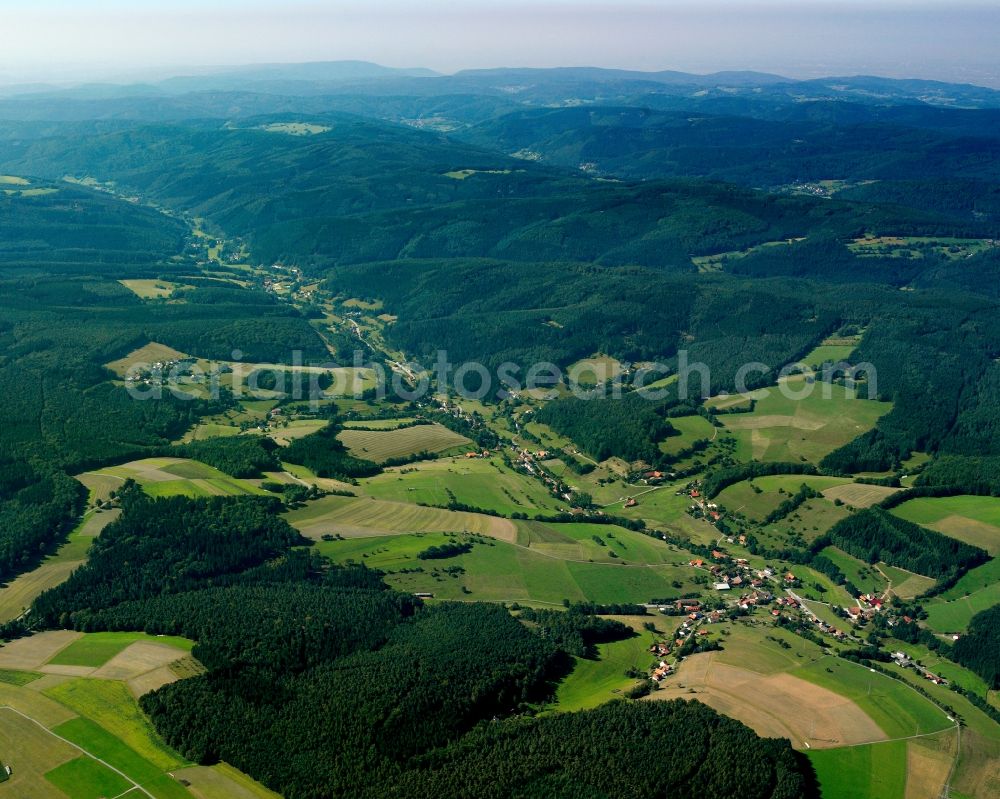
81 39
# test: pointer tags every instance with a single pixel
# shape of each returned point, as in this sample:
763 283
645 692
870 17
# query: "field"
691 429
978 590
594 371
59 719
222 781
167 477
284 433
771 492
18 594
151 289
873 771
359 517
72 727
544 564
783 429
148 354
31 752
859 495
865 577
85 778
761 685
382 445
478 482
897 709
379 424
974 520
210 430
594 682
296 128
905 584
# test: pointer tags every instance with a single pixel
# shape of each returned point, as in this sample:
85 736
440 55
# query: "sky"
75 40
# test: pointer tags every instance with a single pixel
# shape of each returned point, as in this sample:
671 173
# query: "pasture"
222 781
478 482
976 591
859 495
784 429
355 517
404 442
542 572
691 429
152 289
594 682
594 370
756 498
863 576
167 477
974 520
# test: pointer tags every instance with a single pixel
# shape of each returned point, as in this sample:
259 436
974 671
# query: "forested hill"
64 315
359 190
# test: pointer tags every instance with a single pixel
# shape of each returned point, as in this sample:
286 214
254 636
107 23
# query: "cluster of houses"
531 463
903 660
700 507
154 373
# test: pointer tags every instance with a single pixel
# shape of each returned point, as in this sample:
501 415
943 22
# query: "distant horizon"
99 40
125 77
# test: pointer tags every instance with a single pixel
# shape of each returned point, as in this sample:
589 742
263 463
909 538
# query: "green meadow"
784 429
874 771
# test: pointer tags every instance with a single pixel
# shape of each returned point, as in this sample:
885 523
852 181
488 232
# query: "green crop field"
875 771
85 778
974 520
479 482
382 445
783 429
109 704
96 649
100 743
